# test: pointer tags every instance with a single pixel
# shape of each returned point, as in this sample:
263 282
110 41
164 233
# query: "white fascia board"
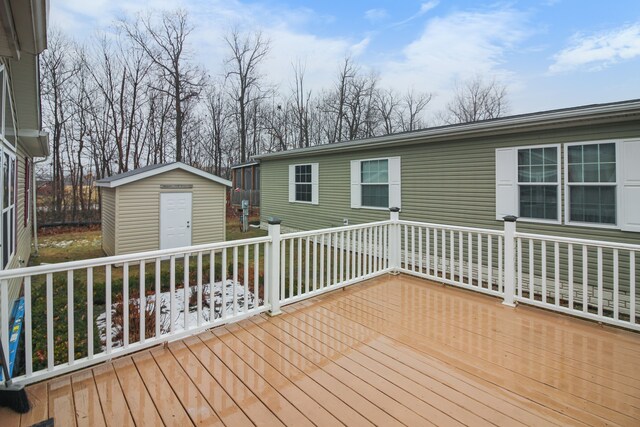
163 169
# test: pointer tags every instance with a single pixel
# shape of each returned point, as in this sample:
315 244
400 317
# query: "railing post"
509 260
394 241
274 266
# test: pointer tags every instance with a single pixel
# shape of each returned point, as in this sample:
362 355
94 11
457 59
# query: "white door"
175 220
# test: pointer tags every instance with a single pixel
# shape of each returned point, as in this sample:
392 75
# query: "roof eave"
167 168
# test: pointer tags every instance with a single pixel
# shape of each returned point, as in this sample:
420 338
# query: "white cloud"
424 8
599 50
456 47
375 15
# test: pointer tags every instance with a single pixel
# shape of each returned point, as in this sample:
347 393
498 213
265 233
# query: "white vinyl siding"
376 183
303 183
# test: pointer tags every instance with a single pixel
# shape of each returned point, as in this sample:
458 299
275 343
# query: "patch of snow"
231 289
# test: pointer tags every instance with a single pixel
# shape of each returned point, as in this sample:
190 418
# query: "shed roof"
245 164
552 119
152 170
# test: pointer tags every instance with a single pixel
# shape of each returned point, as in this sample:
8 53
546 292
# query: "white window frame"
617 185
558 185
357 204
315 172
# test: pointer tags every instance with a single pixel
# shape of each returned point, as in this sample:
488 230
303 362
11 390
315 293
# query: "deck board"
395 350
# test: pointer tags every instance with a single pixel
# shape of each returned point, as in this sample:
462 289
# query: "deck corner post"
273 288
509 260
394 241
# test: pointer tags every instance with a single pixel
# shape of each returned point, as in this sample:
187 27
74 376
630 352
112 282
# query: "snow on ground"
179 315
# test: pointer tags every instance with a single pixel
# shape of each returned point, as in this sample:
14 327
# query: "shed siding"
23 249
138 211
449 182
108 220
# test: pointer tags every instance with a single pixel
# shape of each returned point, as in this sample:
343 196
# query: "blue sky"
550 54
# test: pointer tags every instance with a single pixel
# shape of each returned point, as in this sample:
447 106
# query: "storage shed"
160 207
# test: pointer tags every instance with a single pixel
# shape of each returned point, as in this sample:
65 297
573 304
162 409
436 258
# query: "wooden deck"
392 351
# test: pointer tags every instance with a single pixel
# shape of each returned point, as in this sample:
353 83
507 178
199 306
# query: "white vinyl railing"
591 279
462 256
83 312
323 260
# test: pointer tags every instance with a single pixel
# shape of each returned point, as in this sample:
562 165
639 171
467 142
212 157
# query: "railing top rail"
120 259
299 234
587 242
453 227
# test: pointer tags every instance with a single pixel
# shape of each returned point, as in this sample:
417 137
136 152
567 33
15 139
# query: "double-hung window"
528 183
538 183
303 183
591 183
375 183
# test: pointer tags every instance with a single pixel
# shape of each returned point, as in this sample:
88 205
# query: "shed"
160 207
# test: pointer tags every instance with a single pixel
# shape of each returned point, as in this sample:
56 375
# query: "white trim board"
162 169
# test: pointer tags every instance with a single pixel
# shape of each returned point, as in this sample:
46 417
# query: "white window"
591 183
528 183
303 183
601 184
375 183
539 183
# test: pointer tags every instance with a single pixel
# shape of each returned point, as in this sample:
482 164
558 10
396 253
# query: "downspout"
35 210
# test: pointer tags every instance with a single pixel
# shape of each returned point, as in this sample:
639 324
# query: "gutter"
504 125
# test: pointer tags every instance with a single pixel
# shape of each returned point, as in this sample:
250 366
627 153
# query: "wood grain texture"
396 350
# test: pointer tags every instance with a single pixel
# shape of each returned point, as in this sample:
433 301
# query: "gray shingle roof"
132 173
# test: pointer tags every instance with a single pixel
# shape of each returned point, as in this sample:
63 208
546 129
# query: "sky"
549 53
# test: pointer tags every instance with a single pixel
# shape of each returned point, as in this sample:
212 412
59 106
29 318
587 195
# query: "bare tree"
301 105
476 100
164 40
247 52
413 104
216 122
59 70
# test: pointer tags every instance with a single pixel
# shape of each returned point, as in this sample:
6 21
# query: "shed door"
175 220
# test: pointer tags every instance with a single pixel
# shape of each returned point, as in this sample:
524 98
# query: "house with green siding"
572 172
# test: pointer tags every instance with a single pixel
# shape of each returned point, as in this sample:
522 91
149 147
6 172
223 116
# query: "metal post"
394 241
509 260
273 282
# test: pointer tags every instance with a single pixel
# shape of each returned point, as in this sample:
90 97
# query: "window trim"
302 202
618 191
558 185
373 208
362 206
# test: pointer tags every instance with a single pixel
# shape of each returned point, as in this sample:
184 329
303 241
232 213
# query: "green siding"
449 182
